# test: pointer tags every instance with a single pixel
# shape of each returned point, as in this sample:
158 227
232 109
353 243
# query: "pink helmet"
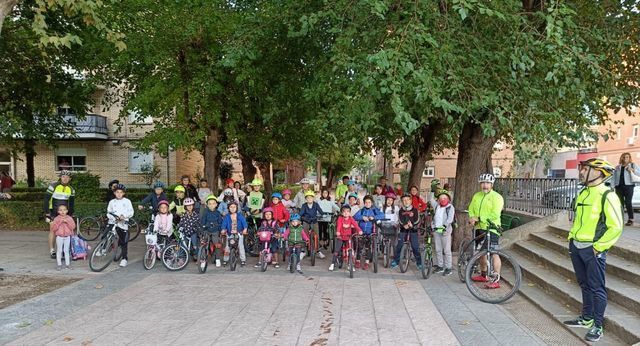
390 195
188 201
268 210
286 192
163 202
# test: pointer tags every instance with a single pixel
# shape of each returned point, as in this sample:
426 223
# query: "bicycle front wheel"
134 230
351 263
427 263
374 255
175 257
386 255
149 260
404 258
233 259
89 228
313 242
103 254
203 259
495 287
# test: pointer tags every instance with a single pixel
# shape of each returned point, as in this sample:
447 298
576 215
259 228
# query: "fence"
538 196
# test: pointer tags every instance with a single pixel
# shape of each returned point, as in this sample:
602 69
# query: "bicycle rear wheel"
465 251
313 242
427 262
203 258
149 260
233 259
134 229
263 261
293 262
404 258
351 263
103 253
508 281
386 255
89 228
374 254
175 257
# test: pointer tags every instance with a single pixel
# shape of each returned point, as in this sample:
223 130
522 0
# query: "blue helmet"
351 182
276 195
295 217
158 185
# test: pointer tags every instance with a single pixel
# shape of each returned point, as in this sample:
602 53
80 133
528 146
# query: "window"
71 159
5 161
429 172
635 131
138 160
556 173
135 117
497 172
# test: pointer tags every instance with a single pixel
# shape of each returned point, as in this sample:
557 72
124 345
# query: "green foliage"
225 170
150 173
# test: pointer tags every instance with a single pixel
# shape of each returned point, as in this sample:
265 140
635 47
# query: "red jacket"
345 227
418 203
280 212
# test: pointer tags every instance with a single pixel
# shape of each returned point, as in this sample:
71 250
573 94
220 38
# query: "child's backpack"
454 224
79 248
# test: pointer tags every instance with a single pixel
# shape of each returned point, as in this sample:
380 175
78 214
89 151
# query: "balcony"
93 126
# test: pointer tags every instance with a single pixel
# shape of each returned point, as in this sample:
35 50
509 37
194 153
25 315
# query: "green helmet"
179 188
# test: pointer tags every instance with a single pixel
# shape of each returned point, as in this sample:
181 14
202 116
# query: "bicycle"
406 252
175 255
331 229
104 249
313 243
234 251
294 255
90 228
264 235
427 255
249 240
508 265
387 244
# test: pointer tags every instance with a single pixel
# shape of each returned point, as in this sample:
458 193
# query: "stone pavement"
134 306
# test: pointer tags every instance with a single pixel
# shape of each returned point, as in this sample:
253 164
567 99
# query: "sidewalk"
133 306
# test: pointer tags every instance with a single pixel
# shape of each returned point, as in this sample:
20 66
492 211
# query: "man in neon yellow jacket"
597 226
486 205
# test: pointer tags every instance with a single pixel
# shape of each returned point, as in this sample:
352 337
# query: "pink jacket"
63 226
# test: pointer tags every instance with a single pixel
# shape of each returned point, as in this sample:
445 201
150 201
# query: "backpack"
454 224
79 248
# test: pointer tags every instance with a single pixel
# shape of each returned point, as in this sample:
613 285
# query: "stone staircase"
542 250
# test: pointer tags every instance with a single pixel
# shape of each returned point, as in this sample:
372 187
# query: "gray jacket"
627 175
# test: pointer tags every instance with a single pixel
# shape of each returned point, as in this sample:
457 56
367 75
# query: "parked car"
635 202
561 197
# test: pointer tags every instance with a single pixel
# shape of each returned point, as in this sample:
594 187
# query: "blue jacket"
211 221
223 209
154 200
242 223
367 226
310 214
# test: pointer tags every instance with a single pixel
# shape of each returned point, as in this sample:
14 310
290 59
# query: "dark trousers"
123 242
590 270
323 230
625 193
413 238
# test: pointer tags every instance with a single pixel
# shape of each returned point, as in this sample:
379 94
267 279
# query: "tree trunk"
331 172
248 169
319 174
264 168
212 158
421 152
30 154
474 158
5 8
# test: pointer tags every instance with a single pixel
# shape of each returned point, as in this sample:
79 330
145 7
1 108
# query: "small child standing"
163 223
63 226
212 221
442 224
122 208
190 225
408 218
296 236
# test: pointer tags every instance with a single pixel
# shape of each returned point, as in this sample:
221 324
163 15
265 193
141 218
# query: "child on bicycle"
287 202
154 197
346 226
390 211
408 219
309 215
121 207
366 218
328 209
296 235
269 224
280 212
189 224
211 222
234 223
163 222
177 205
63 227
442 222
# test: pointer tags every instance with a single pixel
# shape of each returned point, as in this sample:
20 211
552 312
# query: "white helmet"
486 178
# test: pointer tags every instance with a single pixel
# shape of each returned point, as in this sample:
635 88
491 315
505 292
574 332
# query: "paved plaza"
138 307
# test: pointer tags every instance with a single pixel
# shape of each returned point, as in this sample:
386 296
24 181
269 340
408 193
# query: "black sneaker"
580 322
53 255
438 269
594 334
447 272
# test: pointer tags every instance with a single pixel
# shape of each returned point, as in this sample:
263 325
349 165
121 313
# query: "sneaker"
447 272
479 278
629 223
298 268
419 266
357 264
276 265
243 263
59 268
492 285
123 263
594 334
52 253
365 266
224 263
321 255
218 263
302 254
331 267
68 267
394 264
257 265
438 269
580 322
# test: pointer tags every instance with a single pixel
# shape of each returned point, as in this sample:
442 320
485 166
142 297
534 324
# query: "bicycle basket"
151 239
264 235
387 230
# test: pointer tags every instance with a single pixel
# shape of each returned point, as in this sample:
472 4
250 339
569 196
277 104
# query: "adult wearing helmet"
597 227
486 205
157 194
299 200
58 193
111 188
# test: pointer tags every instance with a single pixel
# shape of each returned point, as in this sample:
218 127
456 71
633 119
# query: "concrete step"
627 250
618 321
621 267
621 291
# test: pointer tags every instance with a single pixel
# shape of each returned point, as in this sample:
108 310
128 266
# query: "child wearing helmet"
280 212
442 225
300 198
255 202
121 206
236 191
287 201
345 227
157 194
177 205
296 235
111 188
408 220
234 222
189 223
212 221
309 214
366 217
269 224
163 222
328 209
227 197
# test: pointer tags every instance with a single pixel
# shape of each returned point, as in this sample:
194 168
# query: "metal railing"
538 196
91 123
